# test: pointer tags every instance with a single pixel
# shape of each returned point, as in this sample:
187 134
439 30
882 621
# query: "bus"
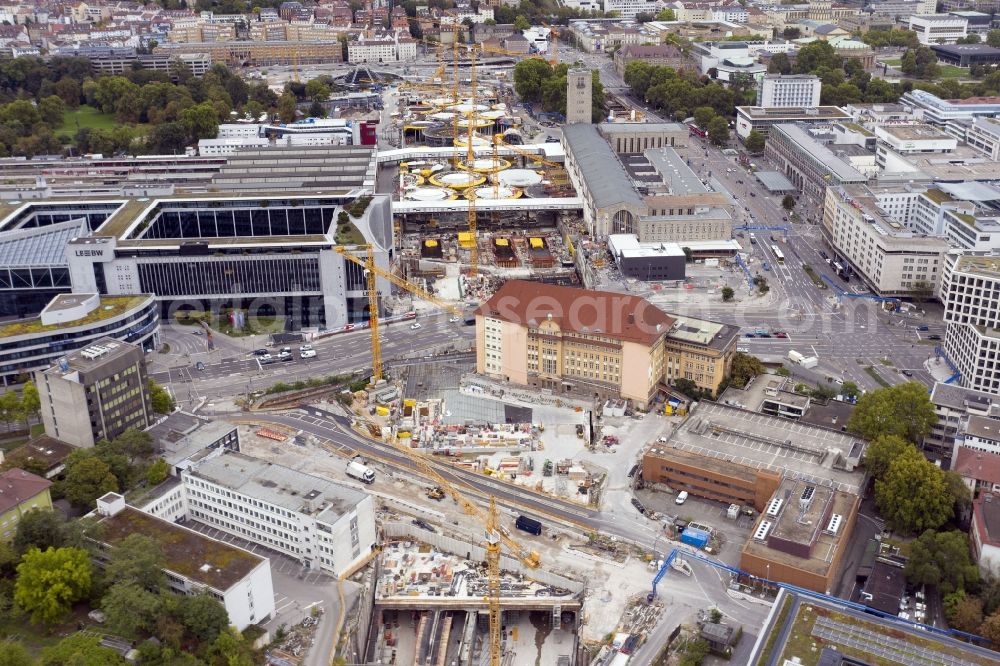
696 131
778 254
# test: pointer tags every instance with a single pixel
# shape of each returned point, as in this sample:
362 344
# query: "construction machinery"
495 536
436 493
474 250
372 273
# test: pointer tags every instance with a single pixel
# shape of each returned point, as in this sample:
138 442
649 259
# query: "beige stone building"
596 343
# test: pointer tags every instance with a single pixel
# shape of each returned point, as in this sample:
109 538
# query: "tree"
703 115
971 38
317 90
232 647
816 55
966 614
157 472
80 650
168 138
39 528
718 131
990 629
643 17
904 410
788 202
134 443
942 559
201 121
666 15
287 107
136 559
754 142
130 608
30 402
163 402
521 24
87 479
851 390
912 495
49 582
993 38
883 451
908 64
203 616
791 32
745 367
14 654
529 77
52 109
727 294
779 64
960 494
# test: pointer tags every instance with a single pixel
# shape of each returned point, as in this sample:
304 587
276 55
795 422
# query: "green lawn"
85 116
947 71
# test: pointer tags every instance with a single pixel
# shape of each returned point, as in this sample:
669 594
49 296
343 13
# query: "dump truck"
436 493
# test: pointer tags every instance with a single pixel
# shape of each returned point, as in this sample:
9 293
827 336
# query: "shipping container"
695 537
529 525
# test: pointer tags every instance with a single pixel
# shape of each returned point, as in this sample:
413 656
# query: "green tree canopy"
904 410
529 77
703 115
718 131
745 367
203 616
41 529
913 495
521 24
754 142
49 582
779 64
87 479
942 559
80 650
727 294
966 614
130 608
163 402
14 654
666 15
788 202
136 559
883 451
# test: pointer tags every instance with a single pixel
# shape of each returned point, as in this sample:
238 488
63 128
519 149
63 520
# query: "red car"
780 334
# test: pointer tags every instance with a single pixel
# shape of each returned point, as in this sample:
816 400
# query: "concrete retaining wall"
476 552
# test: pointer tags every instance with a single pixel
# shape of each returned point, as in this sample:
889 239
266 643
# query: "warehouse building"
647 261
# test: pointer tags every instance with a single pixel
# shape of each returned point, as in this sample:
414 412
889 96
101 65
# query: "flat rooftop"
917 132
674 171
110 307
984 266
186 552
280 486
822 632
43 452
760 441
702 332
803 526
794 113
760 389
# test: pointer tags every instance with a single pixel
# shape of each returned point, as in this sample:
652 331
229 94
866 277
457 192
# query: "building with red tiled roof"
602 344
980 470
20 492
985 532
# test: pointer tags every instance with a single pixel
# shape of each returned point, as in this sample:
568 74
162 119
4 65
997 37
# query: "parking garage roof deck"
761 441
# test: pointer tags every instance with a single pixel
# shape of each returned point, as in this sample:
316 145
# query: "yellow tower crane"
495 536
372 273
471 157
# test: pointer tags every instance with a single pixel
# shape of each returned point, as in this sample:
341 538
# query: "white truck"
357 470
802 359
795 357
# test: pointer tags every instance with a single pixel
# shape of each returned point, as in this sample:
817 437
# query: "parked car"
309 353
743 350
780 334
260 352
414 326
749 335
305 348
681 497
199 366
933 337
908 373
198 332
923 328
285 354
638 506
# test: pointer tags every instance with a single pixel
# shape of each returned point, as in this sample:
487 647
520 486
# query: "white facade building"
891 260
939 28
238 130
627 9
231 145
238 579
984 136
794 90
971 295
394 49
323 524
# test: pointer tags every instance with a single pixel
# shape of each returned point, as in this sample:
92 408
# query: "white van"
681 497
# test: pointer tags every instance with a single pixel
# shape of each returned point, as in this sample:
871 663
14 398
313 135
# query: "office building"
570 340
629 137
939 28
322 524
95 393
900 142
73 321
802 535
953 115
808 164
984 135
649 261
789 91
183 439
663 55
972 311
193 562
762 119
735 456
890 260
579 96
20 492
966 55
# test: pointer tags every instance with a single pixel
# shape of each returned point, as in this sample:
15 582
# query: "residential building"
42 455
193 562
663 55
262 54
952 405
749 118
808 164
579 96
985 532
20 492
789 91
972 314
71 322
890 260
802 535
572 340
388 49
966 55
95 393
980 470
939 28
322 524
